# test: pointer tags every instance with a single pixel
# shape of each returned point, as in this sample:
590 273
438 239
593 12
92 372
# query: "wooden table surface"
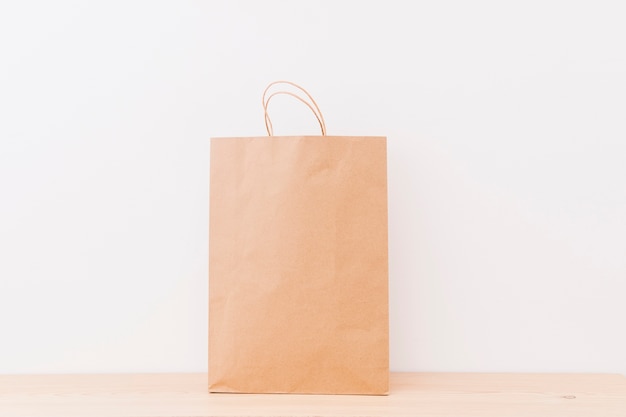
412 394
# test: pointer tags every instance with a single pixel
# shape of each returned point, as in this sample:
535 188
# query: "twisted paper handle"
313 105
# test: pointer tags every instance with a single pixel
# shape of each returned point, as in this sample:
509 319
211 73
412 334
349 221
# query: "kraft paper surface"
298 269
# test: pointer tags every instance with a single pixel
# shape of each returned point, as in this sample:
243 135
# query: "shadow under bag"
298 270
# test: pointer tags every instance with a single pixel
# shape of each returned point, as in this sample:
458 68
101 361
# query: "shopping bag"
298 266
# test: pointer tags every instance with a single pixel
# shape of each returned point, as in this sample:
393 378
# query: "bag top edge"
301 137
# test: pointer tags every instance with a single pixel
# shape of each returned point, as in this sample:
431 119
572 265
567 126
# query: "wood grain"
412 394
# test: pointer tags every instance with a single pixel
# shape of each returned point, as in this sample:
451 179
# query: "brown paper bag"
298 299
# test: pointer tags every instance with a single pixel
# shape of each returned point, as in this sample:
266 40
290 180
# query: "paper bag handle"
314 107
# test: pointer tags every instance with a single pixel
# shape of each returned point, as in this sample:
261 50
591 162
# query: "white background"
506 126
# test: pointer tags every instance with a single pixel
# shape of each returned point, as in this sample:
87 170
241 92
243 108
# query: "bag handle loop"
313 105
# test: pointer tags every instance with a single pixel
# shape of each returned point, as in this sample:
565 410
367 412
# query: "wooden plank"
412 394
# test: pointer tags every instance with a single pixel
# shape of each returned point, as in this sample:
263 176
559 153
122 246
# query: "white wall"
507 177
